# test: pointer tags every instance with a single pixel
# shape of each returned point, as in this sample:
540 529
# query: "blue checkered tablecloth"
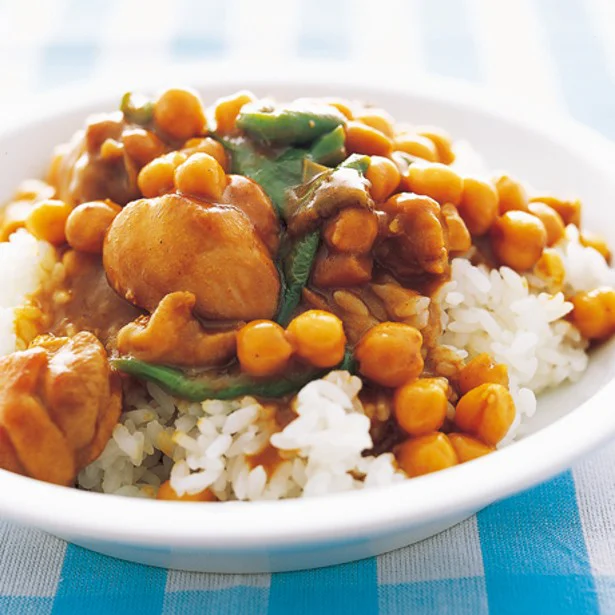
549 550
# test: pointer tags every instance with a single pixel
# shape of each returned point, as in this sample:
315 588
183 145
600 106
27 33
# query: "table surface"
548 550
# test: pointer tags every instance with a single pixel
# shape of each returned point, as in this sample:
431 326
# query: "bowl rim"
339 517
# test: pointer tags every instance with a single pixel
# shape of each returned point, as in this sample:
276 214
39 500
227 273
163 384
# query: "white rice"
210 444
586 268
24 264
494 311
498 312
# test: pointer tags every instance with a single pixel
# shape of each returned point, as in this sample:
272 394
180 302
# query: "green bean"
297 268
358 162
293 125
327 193
303 207
278 172
318 198
137 109
202 386
349 363
329 149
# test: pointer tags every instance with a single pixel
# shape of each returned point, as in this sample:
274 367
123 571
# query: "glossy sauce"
84 301
280 414
269 458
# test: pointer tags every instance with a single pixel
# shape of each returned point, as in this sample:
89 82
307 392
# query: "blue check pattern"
548 550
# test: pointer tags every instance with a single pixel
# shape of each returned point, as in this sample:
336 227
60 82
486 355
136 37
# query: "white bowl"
550 153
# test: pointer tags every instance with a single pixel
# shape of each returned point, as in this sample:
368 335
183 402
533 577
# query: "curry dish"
248 249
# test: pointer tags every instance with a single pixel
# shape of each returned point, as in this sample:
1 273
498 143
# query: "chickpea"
570 211
179 113
166 492
47 220
341 105
426 454
480 370
434 179
390 354
511 194
99 128
554 225
378 119
459 239
262 348
201 176
142 146
227 109
420 406
550 268
594 313
87 225
207 145
518 239
363 139
317 337
352 230
591 240
486 411
468 448
157 177
416 145
441 139
383 176
111 150
478 205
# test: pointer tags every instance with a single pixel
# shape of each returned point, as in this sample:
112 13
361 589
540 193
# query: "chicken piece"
402 304
58 406
416 235
346 305
172 335
355 314
8 455
37 446
75 382
108 418
85 173
459 238
248 196
341 270
172 243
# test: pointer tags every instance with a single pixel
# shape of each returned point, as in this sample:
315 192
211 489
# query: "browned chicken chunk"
172 335
94 165
58 406
172 243
417 236
248 196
